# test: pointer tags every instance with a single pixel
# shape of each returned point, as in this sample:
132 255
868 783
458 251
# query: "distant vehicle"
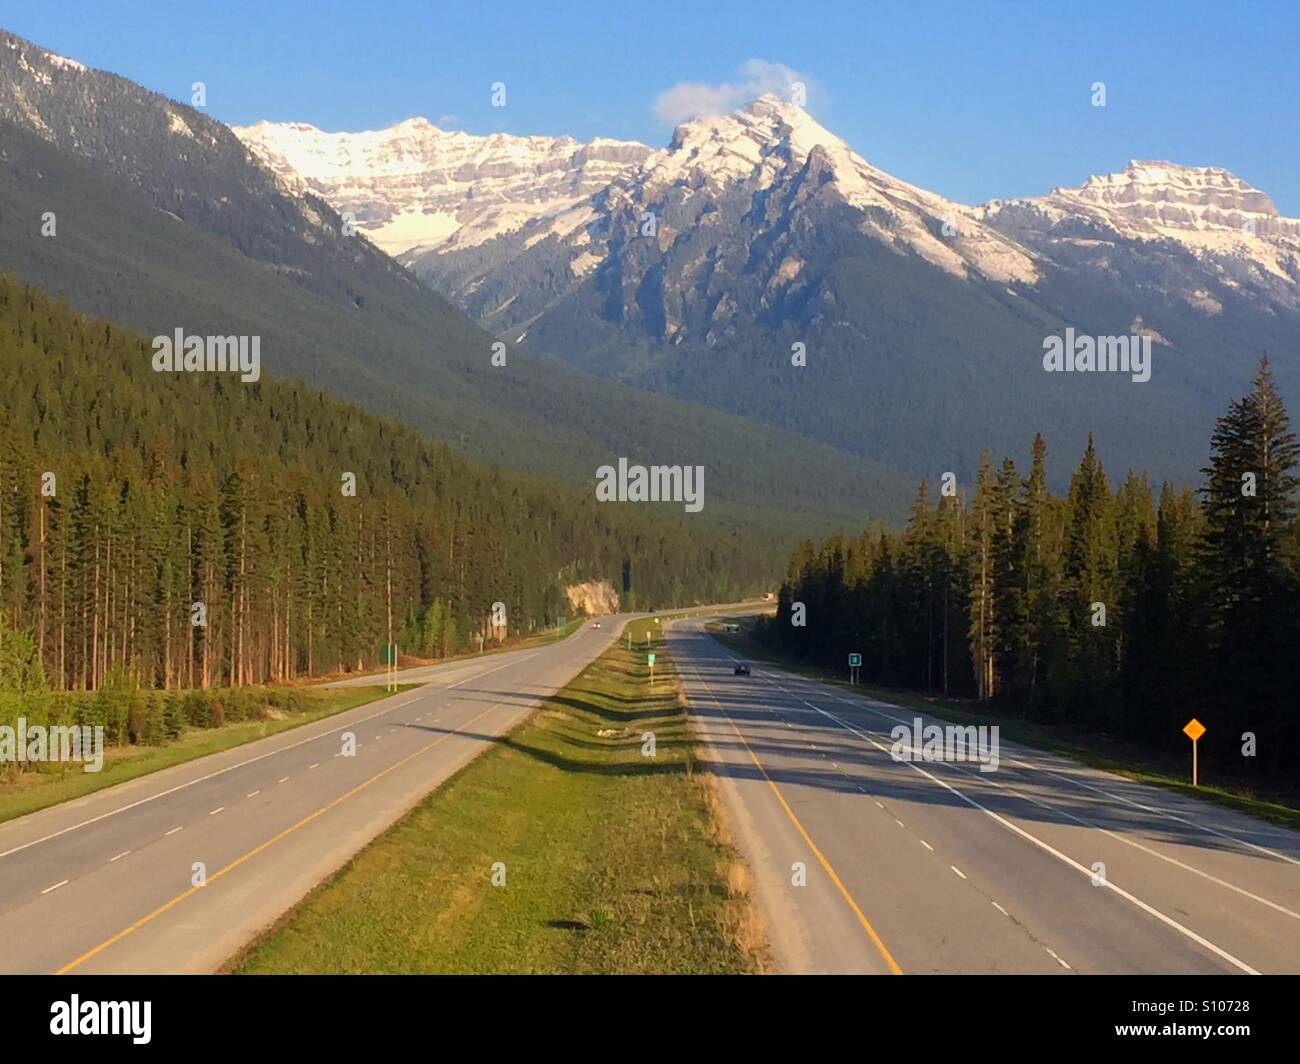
595 624
741 670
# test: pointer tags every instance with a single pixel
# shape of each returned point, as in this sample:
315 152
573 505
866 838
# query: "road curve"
105 883
1044 866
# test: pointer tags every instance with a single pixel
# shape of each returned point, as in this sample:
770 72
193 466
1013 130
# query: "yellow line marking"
876 940
263 846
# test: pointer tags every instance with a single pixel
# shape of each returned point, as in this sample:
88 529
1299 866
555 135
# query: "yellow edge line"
876 940
263 846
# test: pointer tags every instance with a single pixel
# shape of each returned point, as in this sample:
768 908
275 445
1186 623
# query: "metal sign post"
1194 729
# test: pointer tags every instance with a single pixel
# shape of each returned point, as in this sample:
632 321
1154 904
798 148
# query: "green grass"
1109 753
27 792
536 639
614 862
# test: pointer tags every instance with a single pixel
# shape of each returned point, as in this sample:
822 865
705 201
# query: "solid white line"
56 886
879 708
119 856
1159 812
216 810
172 832
232 768
1046 848
1145 849
1164 813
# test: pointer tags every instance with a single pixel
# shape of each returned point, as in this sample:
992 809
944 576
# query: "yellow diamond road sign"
1194 729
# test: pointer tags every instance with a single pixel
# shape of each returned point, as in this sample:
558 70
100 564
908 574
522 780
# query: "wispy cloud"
696 99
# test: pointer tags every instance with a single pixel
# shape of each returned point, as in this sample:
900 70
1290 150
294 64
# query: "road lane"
963 871
106 883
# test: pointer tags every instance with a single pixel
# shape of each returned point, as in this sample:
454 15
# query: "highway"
106 883
1043 866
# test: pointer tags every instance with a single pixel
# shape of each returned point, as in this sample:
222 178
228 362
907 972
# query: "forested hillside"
1119 611
128 496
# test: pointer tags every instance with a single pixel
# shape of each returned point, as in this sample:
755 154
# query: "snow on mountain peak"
414 184
1168 196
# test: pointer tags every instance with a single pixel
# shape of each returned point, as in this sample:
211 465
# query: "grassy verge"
613 861
26 792
537 639
1124 758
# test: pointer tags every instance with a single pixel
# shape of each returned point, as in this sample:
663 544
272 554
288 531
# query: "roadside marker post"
855 662
389 658
652 670
1194 729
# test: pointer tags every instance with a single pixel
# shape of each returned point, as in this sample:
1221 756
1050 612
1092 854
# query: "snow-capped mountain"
1232 230
698 269
415 185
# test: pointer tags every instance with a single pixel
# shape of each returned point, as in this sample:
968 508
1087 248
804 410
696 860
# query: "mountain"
415 185
164 219
175 489
697 267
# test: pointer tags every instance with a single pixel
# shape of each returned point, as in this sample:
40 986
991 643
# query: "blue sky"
970 100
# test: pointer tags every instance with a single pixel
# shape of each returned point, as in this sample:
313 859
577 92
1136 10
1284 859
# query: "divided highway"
1044 866
106 883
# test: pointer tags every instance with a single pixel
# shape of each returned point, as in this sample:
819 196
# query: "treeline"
196 531
1118 611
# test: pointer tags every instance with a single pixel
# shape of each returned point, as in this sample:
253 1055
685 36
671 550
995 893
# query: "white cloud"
694 99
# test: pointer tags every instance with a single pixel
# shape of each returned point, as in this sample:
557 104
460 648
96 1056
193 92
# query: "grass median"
571 846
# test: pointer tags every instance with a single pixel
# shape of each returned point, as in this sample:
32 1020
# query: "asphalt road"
1043 866
105 883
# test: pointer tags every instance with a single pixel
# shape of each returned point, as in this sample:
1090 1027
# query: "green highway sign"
652 659
855 660
388 654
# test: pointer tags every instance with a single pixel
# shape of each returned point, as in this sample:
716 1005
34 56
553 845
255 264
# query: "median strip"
586 840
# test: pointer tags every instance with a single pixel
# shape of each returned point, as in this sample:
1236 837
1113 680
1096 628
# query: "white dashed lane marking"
56 886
